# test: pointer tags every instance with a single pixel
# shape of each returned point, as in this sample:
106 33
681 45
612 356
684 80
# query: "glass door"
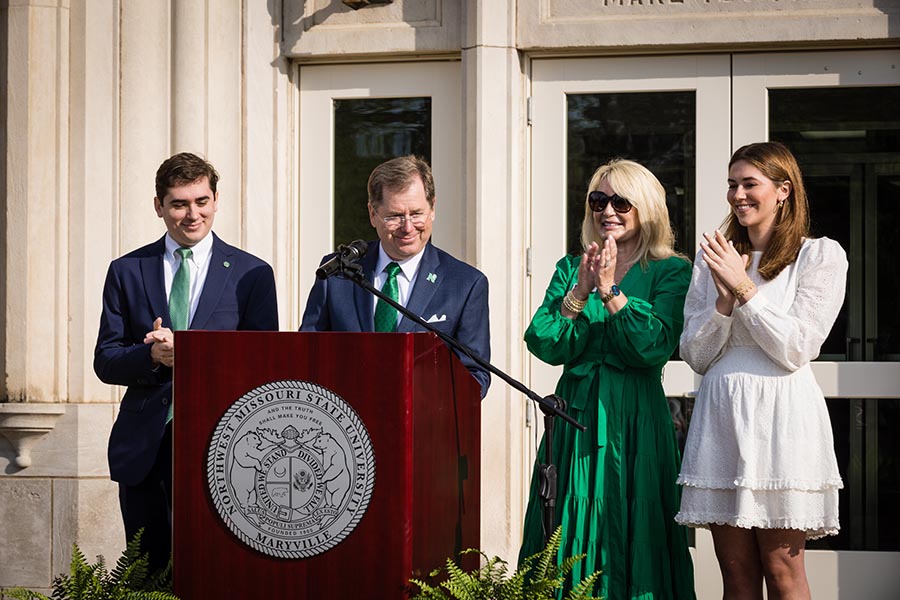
353 118
671 114
683 117
837 112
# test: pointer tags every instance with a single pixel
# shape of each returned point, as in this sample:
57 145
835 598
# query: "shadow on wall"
891 8
412 12
276 14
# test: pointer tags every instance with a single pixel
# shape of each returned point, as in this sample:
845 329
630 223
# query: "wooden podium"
421 410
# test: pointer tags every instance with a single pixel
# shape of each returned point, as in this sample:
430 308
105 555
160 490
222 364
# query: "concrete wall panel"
25 511
86 512
649 25
328 28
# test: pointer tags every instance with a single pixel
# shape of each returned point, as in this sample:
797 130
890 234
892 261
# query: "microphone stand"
552 405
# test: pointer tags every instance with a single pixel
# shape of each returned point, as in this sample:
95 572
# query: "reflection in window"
847 141
887 328
830 216
867 452
655 129
367 132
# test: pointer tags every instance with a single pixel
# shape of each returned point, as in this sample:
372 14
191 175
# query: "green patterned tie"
180 296
385 314
180 302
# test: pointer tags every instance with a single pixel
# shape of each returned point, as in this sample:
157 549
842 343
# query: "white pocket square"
437 319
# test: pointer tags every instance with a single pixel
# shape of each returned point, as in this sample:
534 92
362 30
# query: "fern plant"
130 579
538 578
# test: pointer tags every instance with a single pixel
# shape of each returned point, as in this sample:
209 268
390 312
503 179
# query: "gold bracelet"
742 288
573 304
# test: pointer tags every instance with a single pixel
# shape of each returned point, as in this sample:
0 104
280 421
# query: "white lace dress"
760 450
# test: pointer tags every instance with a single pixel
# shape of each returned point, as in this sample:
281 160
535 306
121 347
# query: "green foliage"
538 578
130 579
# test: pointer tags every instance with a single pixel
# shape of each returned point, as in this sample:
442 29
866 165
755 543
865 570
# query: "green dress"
617 496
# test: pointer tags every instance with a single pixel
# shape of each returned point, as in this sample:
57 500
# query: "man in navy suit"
432 284
223 288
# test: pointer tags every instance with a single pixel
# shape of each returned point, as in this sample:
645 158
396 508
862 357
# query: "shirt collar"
409 266
200 251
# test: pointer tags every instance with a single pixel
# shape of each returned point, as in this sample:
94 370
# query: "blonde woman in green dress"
613 317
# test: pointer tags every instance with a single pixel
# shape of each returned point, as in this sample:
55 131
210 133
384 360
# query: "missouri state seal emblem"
291 469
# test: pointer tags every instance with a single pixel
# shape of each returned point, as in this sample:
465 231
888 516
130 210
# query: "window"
847 141
655 129
367 132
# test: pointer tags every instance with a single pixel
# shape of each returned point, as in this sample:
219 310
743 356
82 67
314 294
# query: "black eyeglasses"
598 201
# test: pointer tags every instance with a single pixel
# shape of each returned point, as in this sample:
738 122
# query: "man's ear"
157 206
372 216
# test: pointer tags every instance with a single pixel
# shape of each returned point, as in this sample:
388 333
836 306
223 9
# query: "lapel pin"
226 264
431 277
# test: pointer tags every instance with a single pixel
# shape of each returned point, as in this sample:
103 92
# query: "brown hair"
182 169
635 182
396 175
791 225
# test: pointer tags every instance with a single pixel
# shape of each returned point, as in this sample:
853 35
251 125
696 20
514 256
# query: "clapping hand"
605 275
588 269
727 266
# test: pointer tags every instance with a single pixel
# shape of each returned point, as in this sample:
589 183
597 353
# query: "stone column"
494 157
34 200
34 210
207 97
269 161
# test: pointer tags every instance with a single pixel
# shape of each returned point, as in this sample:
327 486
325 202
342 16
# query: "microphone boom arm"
549 405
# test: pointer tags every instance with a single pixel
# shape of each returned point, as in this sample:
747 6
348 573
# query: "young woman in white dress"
759 468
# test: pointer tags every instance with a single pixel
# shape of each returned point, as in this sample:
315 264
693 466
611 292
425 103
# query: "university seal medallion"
290 469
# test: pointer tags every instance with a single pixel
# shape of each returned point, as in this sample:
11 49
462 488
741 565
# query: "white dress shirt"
198 264
406 278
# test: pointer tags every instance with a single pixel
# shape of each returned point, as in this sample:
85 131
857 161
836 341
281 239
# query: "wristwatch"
613 292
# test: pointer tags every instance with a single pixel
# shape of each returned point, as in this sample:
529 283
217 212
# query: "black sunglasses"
598 201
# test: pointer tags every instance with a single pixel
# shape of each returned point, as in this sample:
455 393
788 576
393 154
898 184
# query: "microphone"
346 254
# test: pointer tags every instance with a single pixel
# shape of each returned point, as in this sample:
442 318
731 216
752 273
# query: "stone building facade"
513 93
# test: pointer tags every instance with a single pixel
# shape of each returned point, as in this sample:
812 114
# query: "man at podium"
404 265
187 279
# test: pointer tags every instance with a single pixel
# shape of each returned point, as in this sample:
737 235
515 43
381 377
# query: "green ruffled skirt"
617 495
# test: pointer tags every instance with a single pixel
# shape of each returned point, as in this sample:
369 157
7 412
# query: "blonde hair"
630 180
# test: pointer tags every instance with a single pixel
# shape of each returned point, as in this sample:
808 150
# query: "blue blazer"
239 293
447 291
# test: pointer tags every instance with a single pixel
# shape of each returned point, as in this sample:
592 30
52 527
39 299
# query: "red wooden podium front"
421 409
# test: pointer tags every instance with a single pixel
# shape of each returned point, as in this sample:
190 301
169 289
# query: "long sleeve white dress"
760 449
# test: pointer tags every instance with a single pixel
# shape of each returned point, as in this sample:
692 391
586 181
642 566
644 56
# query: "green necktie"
180 296
180 302
385 314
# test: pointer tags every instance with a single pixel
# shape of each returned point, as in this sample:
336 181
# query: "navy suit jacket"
239 293
447 291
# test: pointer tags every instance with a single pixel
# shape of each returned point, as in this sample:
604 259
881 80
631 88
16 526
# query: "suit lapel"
363 299
155 283
216 278
428 278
